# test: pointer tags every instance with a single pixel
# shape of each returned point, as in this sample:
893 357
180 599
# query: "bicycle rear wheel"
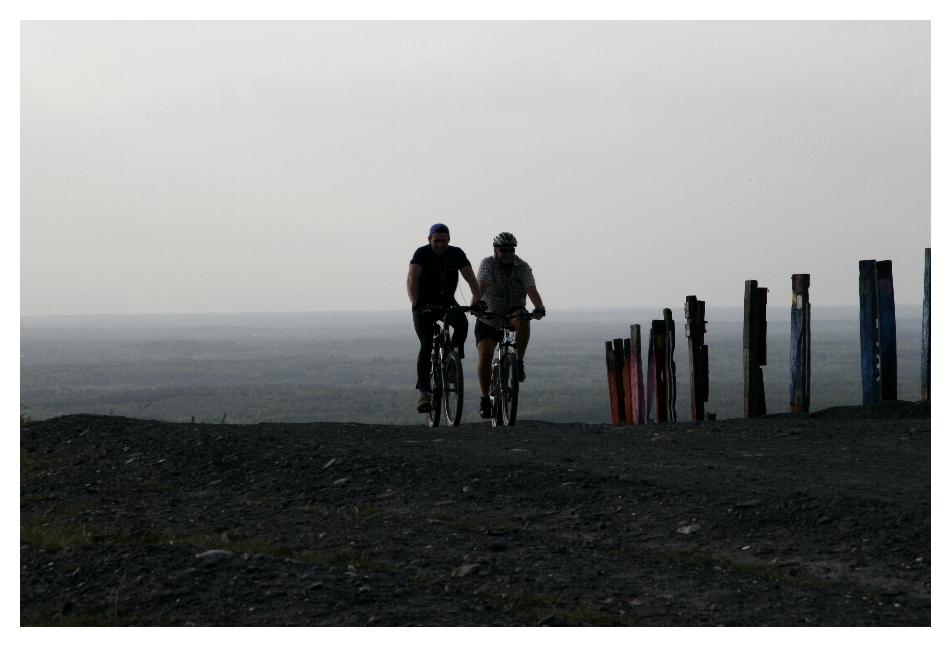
452 388
508 381
435 387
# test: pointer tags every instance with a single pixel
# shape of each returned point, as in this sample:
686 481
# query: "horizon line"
401 310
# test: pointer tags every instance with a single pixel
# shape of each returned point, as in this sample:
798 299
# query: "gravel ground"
809 520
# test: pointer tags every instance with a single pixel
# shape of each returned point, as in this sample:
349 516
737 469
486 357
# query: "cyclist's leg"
460 330
485 342
423 323
523 331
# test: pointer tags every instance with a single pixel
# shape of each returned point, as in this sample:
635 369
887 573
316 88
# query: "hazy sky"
202 167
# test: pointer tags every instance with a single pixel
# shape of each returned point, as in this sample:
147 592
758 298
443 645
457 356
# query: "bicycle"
445 371
503 388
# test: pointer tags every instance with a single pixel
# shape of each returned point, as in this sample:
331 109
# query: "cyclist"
504 281
433 275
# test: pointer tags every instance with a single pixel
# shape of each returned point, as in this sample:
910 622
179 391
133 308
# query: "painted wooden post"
754 349
926 332
628 401
671 338
868 331
612 383
800 345
638 412
888 358
695 311
619 378
659 353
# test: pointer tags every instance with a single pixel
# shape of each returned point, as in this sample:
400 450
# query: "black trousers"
423 323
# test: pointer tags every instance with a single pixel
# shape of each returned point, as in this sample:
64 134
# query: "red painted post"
612 383
659 353
638 408
619 378
628 400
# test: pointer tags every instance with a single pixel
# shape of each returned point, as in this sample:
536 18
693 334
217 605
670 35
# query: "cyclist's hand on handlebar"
538 312
480 307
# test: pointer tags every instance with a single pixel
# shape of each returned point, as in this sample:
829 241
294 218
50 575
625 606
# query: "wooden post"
671 338
619 378
888 358
612 383
800 345
638 411
926 332
659 352
754 349
868 331
628 401
695 311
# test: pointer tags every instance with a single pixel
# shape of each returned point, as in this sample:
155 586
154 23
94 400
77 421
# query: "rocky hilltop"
782 520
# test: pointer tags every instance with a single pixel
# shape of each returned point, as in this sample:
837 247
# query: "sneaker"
485 407
521 371
424 404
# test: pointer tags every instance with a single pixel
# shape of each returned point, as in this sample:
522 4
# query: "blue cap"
438 228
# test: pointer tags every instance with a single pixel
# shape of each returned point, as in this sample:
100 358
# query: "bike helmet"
505 239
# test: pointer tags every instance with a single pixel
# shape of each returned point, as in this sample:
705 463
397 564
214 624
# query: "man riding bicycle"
433 276
504 281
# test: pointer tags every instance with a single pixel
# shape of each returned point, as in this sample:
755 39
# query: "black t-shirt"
440 275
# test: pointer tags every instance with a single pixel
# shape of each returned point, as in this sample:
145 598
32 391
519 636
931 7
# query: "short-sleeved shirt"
507 288
440 275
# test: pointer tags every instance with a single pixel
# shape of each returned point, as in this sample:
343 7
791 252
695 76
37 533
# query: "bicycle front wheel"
452 388
508 380
436 388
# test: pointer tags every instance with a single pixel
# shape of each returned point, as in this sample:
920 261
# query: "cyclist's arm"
474 285
536 298
412 281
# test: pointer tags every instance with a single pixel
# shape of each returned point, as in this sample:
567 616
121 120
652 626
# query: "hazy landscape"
359 367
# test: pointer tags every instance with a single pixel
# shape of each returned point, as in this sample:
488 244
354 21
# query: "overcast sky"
216 167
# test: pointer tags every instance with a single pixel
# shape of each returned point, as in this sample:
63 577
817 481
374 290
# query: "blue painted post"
887 345
926 332
868 332
800 345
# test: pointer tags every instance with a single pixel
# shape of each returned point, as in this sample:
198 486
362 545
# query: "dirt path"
822 520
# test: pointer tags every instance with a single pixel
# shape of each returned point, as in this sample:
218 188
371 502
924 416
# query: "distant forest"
361 367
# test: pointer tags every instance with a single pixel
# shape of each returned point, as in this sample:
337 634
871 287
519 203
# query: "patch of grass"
53 535
538 606
478 527
29 466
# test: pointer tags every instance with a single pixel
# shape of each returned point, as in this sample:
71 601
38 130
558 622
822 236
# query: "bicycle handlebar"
525 316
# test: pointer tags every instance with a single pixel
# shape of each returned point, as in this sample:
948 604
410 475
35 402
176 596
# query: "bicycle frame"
445 370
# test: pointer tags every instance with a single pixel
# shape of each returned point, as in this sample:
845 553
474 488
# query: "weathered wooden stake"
671 338
754 349
695 311
636 394
612 384
658 360
868 332
888 358
619 378
628 402
800 343
926 332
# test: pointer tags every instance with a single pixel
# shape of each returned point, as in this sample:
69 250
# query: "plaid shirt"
506 289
